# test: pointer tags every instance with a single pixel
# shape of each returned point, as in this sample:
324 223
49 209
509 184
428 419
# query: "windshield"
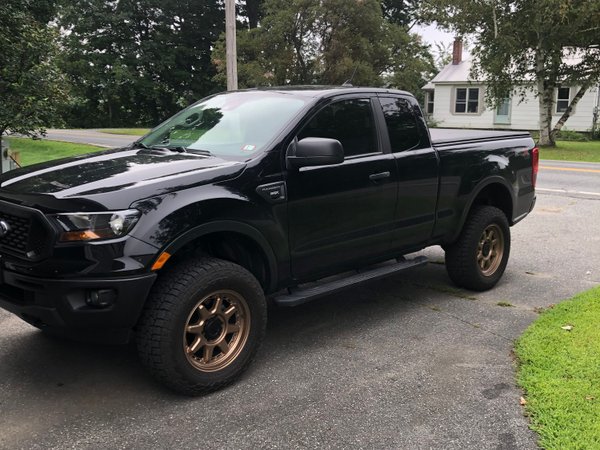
237 125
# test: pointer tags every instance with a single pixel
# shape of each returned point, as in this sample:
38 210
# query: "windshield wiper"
201 151
179 149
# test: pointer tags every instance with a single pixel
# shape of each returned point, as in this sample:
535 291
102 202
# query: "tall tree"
401 12
327 42
523 45
356 40
138 61
251 13
412 64
31 85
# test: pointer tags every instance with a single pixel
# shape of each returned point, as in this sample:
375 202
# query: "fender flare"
228 226
476 191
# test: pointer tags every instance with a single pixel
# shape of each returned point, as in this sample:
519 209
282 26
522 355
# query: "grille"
18 232
28 234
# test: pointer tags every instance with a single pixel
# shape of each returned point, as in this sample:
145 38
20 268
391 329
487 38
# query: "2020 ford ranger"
180 239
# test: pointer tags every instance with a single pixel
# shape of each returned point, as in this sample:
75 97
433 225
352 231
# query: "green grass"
573 151
127 131
36 151
560 373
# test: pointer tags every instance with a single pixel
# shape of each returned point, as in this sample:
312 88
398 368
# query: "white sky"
431 34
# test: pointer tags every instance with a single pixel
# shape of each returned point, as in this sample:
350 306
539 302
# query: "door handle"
379 176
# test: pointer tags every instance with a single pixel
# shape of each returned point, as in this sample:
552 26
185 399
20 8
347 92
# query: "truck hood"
114 178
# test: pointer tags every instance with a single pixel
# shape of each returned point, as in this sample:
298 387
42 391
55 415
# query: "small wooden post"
16 159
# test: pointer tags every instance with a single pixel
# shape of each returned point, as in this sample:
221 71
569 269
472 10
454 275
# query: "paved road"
571 178
92 137
408 362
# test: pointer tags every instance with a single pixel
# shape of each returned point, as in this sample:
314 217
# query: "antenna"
348 82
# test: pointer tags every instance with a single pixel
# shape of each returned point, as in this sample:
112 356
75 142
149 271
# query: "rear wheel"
478 258
202 325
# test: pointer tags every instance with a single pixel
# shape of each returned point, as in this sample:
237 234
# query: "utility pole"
231 47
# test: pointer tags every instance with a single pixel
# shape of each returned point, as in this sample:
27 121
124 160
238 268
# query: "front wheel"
202 326
478 258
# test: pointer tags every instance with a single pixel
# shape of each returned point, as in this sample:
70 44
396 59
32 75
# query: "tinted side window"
348 121
401 124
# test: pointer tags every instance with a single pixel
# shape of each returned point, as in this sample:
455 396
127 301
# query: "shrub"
570 135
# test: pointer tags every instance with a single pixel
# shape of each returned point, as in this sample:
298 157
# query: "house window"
562 99
429 102
467 101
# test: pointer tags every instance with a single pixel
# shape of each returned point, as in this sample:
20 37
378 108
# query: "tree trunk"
568 111
545 93
546 102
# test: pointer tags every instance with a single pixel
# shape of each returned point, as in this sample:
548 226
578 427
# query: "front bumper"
63 306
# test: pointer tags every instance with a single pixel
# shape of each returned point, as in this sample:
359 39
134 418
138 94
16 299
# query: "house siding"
524 115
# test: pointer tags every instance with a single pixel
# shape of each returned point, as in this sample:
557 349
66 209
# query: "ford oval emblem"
4 228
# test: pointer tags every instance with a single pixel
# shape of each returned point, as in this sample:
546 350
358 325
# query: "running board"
297 296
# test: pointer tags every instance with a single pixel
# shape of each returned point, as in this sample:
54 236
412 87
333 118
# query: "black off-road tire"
181 301
466 258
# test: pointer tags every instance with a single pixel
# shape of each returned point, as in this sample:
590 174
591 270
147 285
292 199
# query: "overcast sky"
432 34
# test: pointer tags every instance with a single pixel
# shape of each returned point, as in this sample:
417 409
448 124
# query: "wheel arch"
232 241
492 192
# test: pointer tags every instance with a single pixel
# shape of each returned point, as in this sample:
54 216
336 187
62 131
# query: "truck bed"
452 136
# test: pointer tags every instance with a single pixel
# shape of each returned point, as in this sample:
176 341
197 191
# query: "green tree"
412 64
525 45
356 40
401 12
32 87
251 13
328 42
136 62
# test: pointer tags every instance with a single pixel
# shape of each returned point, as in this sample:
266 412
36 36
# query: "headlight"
96 225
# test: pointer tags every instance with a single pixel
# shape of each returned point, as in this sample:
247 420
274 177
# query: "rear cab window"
402 124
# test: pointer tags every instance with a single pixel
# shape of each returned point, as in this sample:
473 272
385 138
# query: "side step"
310 291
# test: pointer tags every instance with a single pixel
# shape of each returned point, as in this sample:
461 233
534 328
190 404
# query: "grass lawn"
560 373
588 151
35 151
127 131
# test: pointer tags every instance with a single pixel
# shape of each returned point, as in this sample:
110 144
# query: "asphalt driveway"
92 137
408 362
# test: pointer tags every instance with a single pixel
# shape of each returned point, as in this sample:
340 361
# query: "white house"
453 100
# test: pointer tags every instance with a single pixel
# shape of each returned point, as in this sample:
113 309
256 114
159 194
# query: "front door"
342 216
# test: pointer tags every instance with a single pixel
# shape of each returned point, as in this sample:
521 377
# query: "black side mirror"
312 151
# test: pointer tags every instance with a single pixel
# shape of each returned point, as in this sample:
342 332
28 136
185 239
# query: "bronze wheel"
216 330
202 325
478 258
490 250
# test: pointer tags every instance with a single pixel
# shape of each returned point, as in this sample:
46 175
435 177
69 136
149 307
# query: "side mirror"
312 151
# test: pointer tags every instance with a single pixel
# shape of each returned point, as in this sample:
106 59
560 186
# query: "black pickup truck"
273 195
